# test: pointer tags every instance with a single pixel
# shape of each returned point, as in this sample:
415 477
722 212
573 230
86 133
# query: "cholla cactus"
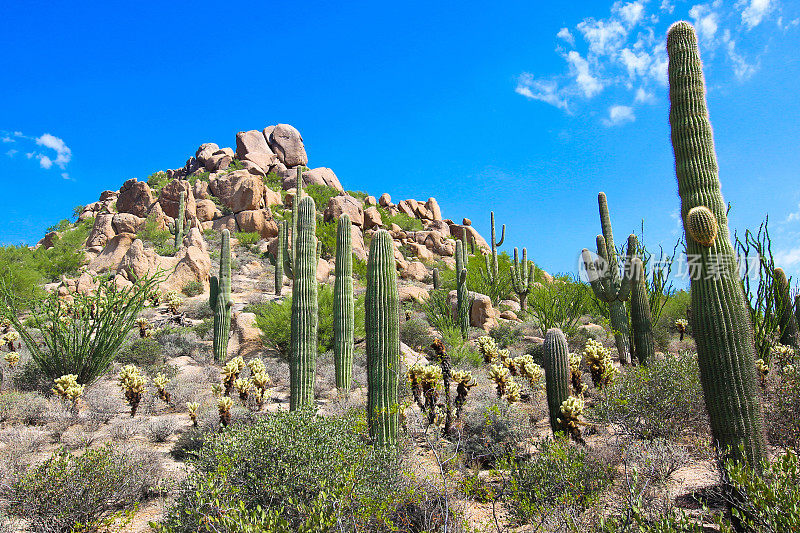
144 327
256 366
464 381
598 359
5 325
154 298
576 377
243 387
529 370
430 378
782 355
505 359
12 358
9 338
231 372
173 301
261 383
414 377
502 379
131 382
513 392
224 406
681 324
193 407
161 381
488 349
67 388
571 410
763 370
216 390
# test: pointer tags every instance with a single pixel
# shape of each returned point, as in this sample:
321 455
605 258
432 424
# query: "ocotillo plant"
303 365
607 283
790 336
280 257
522 277
343 306
383 340
641 319
220 299
720 318
462 294
556 374
177 227
490 275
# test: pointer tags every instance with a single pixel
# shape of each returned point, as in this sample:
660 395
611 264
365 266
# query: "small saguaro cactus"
343 306
607 283
790 335
491 273
220 299
641 319
720 318
302 368
131 382
522 277
382 322
280 257
556 374
436 280
462 294
177 226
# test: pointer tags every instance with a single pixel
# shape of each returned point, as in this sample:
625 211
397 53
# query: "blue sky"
525 108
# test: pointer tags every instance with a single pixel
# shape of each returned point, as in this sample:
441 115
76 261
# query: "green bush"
358 194
501 288
493 429
505 334
281 463
152 234
663 399
273 181
144 352
438 311
359 269
27 408
199 176
247 238
67 490
405 222
416 333
274 320
204 328
676 307
559 304
193 288
321 194
559 475
326 235
235 165
157 181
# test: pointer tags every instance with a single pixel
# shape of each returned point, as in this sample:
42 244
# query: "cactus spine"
557 374
492 266
641 319
790 336
720 318
608 285
462 294
383 340
343 306
280 257
304 308
177 227
522 278
220 299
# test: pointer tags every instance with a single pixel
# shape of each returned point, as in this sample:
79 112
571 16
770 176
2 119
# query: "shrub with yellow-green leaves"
132 384
161 381
598 359
67 388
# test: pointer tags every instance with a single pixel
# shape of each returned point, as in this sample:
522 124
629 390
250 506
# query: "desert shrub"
783 410
29 377
274 320
198 176
157 181
505 334
27 408
559 304
438 311
558 475
492 430
193 288
68 489
661 400
405 222
359 269
283 460
204 328
676 307
145 353
178 342
273 181
498 290
416 333
247 238
326 235
460 349
321 194
154 235
358 194
160 429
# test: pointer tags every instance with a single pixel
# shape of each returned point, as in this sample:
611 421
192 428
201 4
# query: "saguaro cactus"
436 280
298 195
556 374
303 365
607 283
383 340
177 227
720 319
280 257
492 266
522 277
790 335
462 294
641 319
220 299
343 306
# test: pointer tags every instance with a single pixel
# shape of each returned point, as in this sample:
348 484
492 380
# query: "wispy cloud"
543 90
566 35
619 114
47 149
755 11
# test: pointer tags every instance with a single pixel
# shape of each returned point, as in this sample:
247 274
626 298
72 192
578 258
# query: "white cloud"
63 153
787 258
755 11
619 114
643 96
604 37
631 13
636 63
741 68
589 84
566 35
706 21
658 66
18 134
667 6
44 161
543 90
8 139
66 176
788 25
11 152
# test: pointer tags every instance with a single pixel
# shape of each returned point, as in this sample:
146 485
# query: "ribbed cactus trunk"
556 374
280 257
462 294
177 226
492 271
522 277
220 299
720 318
303 365
641 320
383 340
790 335
436 280
613 296
343 306
298 195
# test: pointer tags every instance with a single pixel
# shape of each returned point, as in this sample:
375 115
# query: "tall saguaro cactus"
303 365
343 306
280 258
298 195
556 374
462 294
522 277
607 283
790 335
492 266
220 299
383 340
641 319
720 318
177 226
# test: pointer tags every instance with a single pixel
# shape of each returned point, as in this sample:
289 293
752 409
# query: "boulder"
482 314
323 270
412 292
433 208
359 250
407 207
511 304
48 240
369 201
85 283
592 331
226 222
239 190
287 143
170 196
127 223
227 151
108 196
205 151
385 200
200 190
193 264
414 270
466 222
272 197
102 232
111 256
207 210
322 176
252 146
372 218
253 169
457 230
341 204
135 198
138 261
438 226
509 315
259 221
156 214
218 162
419 250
